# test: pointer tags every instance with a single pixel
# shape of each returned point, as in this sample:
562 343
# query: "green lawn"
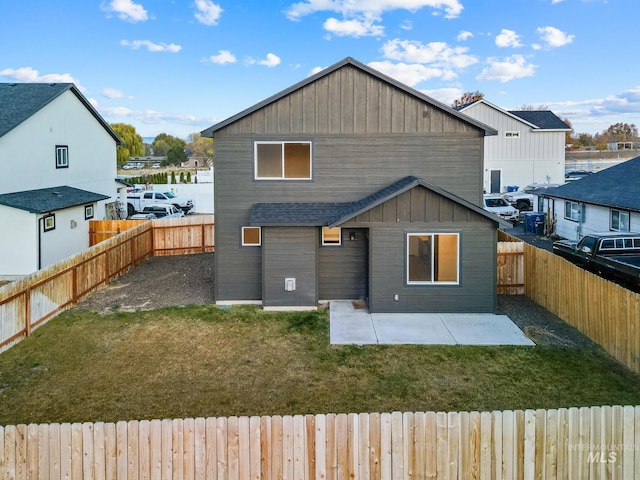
204 361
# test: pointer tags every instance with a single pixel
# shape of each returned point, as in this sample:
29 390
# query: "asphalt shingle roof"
543 119
49 199
18 101
617 186
334 214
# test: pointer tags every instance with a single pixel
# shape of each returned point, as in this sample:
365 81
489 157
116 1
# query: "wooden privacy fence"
510 268
573 443
28 303
604 311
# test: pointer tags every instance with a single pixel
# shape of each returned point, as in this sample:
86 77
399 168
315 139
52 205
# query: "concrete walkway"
349 325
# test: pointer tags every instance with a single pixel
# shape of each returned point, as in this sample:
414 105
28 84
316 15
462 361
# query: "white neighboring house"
57 171
529 147
606 201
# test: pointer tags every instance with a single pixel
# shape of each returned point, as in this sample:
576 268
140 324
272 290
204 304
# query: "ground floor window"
251 237
572 211
49 222
619 220
433 258
331 236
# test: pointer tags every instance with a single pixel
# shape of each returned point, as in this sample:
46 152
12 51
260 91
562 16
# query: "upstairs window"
62 156
620 220
512 134
283 160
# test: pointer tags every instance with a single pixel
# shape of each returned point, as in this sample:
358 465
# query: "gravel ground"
188 280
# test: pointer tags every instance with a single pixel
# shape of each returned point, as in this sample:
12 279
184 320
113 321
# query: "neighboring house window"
572 211
251 237
620 220
88 212
283 160
62 156
512 134
49 222
331 236
433 258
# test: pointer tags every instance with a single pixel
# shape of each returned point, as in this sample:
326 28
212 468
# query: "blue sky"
177 67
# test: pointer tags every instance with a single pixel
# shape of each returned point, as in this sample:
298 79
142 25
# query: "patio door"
343 269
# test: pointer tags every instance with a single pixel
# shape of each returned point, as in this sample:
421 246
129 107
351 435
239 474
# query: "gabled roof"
366 69
19 101
49 199
335 214
538 120
617 186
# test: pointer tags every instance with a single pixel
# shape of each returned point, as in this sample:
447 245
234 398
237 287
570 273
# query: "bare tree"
466 98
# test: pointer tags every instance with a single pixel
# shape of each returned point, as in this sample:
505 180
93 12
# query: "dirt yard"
188 280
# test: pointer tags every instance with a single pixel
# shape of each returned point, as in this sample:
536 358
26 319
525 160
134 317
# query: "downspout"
40 242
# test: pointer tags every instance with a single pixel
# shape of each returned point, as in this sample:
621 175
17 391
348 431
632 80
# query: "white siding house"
54 144
529 147
602 202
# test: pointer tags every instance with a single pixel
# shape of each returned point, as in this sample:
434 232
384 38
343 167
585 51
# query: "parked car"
496 204
136 201
615 256
523 198
128 166
155 165
158 211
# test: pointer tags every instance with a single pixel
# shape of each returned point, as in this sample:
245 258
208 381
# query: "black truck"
614 256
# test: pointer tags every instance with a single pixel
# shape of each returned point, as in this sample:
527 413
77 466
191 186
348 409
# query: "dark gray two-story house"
351 185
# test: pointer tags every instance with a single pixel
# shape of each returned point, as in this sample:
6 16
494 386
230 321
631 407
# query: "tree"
132 144
467 97
622 132
164 143
569 136
176 155
529 107
200 147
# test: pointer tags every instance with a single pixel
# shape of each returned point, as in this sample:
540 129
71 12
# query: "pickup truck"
136 201
158 211
523 198
615 256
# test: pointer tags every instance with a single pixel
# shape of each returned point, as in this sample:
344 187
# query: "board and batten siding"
422 211
289 252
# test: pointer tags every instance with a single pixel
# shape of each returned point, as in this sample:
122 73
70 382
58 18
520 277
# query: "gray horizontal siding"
474 294
289 252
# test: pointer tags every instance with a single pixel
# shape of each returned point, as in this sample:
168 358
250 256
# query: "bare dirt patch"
172 281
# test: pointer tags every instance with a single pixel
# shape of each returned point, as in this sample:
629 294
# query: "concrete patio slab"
350 325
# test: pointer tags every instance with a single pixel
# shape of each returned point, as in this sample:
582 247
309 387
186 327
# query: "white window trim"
51 219
89 212
512 134
628 222
332 244
432 282
251 244
567 202
281 177
64 148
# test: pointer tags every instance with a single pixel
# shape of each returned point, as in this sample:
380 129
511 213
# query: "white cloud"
438 54
508 69
315 70
371 8
272 60
150 46
113 93
207 12
31 75
223 57
552 37
126 10
464 35
152 117
410 74
553 2
444 95
508 38
353 28
406 25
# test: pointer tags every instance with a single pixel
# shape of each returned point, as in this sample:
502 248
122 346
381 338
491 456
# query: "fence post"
27 310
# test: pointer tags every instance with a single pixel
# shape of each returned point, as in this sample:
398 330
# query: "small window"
251 237
283 160
619 220
572 211
88 212
512 134
49 222
62 156
331 236
433 258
